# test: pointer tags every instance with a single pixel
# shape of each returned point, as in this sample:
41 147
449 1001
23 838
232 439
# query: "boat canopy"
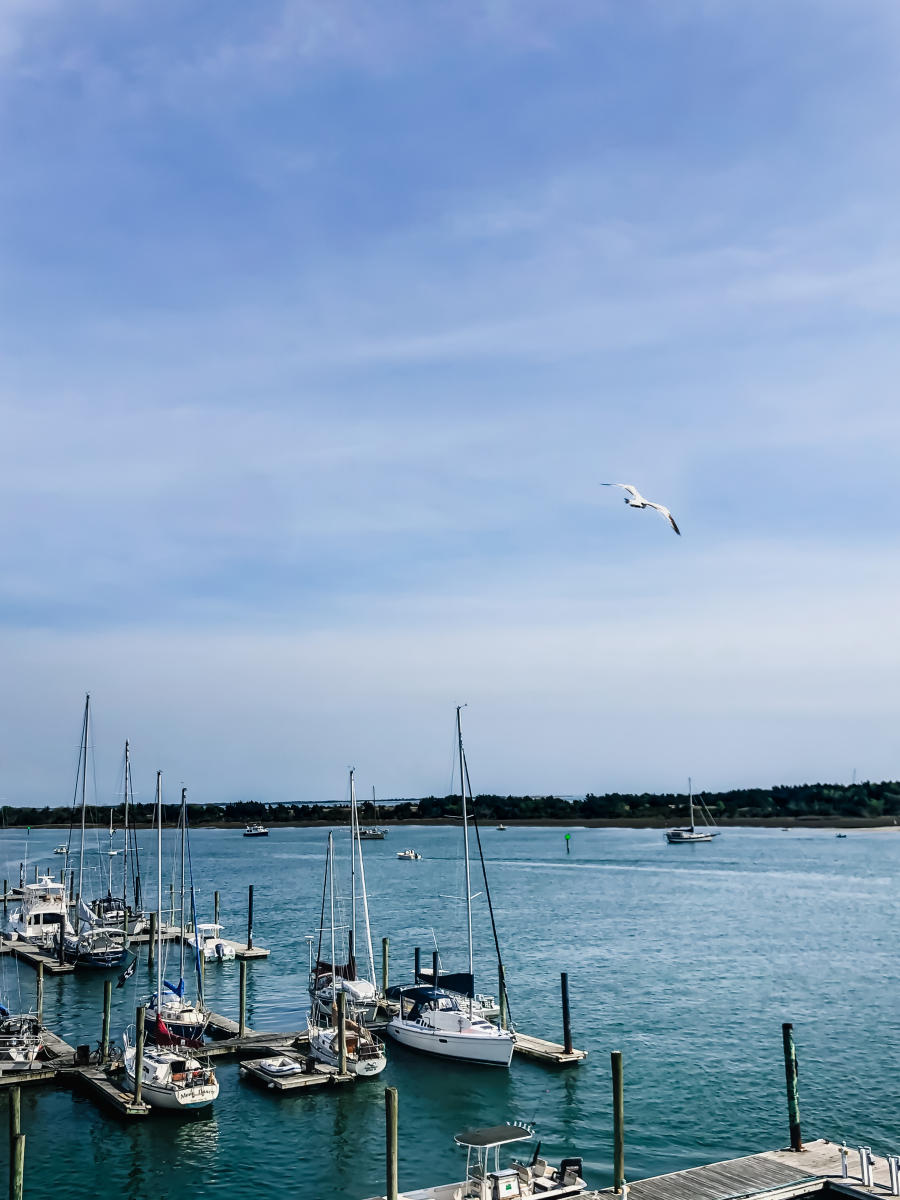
494 1135
462 982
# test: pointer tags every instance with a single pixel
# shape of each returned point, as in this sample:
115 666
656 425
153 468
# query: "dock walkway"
816 1170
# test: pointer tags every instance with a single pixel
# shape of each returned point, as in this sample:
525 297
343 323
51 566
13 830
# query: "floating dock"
33 955
821 1168
547 1052
288 1083
101 1085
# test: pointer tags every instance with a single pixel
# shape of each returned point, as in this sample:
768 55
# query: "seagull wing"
627 487
661 508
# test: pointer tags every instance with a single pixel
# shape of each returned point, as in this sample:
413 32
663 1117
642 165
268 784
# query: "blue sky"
320 324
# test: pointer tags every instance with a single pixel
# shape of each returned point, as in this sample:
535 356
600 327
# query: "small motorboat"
208 939
487 1180
502 827
60 849
409 855
256 831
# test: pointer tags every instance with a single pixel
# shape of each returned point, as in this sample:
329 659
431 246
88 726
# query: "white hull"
323 1048
162 1096
172 1081
491 1049
675 837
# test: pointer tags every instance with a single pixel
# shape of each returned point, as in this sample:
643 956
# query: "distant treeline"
813 801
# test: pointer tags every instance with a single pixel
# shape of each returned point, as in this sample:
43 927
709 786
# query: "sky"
321 323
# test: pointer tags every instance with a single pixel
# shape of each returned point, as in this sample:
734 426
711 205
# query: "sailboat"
373 833
691 833
95 942
170 1015
171 1076
331 977
115 909
364 1052
439 1022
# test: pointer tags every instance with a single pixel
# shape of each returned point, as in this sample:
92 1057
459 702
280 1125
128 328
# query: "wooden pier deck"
102 1086
33 955
774 1175
548 1052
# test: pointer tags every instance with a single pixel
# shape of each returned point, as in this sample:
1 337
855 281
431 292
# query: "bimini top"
495 1135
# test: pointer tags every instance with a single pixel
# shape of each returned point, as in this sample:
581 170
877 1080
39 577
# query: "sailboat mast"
331 898
181 917
462 792
125 831
362 882
354 834
84 752
158 891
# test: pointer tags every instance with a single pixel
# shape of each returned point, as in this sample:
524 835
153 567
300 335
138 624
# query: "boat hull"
493 1050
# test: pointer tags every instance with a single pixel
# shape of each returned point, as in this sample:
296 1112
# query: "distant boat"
372 833
409 855
61 850
843 835
255 831
502 828
691 833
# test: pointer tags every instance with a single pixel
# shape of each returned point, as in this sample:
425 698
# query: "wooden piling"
504 1012
567 1022
5 890
385 962
242 1015
618 1121
790 1072
151 945
435 970
417 964
171 903
250 918
15 1130
35 873
390 1113
341 1000
104 1036
138 1052
61 942
216 907
17 1167
39 999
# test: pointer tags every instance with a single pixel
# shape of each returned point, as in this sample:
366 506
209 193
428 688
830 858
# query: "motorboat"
43 912
255 831
501 828
409 855
691 833
172 1077
364 1051
60 849
21 1041
432 1020
208 940
487 1180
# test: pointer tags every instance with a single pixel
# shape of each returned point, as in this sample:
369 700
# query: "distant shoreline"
835 823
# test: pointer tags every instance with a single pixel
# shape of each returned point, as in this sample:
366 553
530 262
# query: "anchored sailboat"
692 833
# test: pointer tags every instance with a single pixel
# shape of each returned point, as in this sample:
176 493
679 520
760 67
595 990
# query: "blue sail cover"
178 991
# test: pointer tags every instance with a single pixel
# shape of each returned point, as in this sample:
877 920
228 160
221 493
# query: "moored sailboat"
691 833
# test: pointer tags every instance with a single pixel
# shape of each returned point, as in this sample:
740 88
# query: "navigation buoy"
568 850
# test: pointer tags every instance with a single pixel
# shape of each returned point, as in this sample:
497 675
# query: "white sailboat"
329 978
677 837
171 1076
170 1014
437 1022
364 1052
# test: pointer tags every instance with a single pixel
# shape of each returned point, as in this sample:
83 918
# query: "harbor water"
686 958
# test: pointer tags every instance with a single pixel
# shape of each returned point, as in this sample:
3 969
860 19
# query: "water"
687 958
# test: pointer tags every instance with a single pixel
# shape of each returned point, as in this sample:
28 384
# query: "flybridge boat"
256 831
432 1020
487 1180
691 833
43 913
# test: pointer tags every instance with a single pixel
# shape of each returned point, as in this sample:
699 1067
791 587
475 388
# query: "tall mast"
331 897
181 917
362 882
84 753
158 892
691 802
125 832
462 792
354 829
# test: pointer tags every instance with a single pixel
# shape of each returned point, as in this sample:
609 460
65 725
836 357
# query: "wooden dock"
322 1075
773 1175
33 955
547 1052
102 1086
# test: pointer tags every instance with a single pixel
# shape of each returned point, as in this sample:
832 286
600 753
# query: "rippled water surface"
686 958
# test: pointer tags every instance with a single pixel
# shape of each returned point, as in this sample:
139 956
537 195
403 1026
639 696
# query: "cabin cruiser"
255 831
43 912
409 855
432 1020
487 1180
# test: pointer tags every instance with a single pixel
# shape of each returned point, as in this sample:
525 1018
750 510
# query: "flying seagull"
634 499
